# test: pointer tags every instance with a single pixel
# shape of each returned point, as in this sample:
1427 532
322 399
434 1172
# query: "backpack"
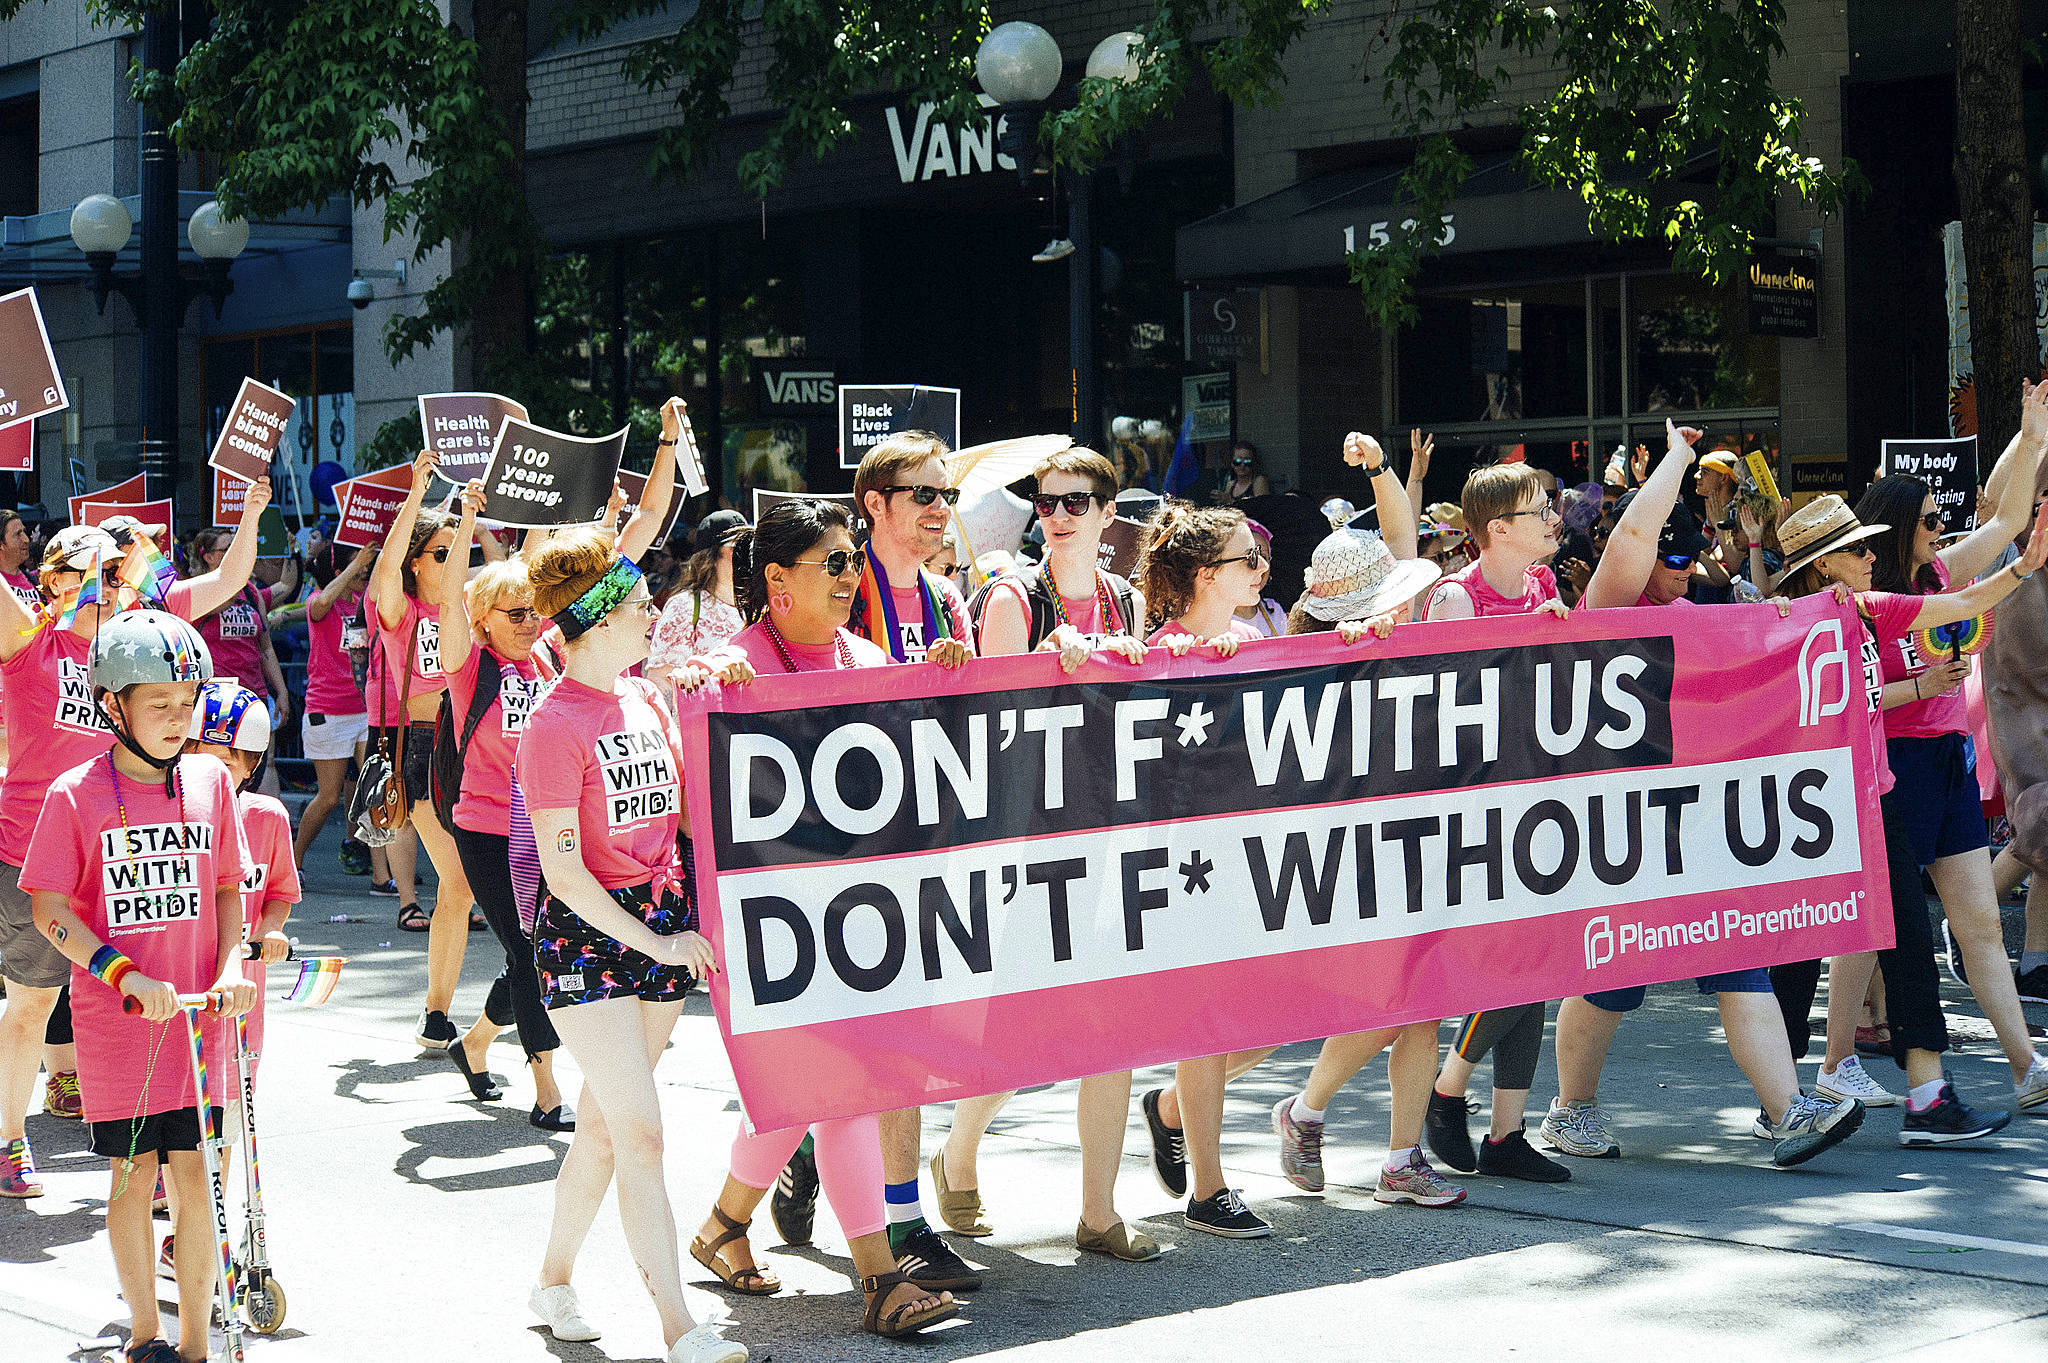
1038 592
449 750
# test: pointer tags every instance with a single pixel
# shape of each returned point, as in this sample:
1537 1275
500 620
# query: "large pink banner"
925 885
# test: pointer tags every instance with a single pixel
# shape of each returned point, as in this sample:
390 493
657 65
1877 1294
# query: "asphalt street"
406 1221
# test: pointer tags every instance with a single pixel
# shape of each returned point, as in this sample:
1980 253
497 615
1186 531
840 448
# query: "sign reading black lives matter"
254 428
542 477
29 383
1948 467
460 429
870 413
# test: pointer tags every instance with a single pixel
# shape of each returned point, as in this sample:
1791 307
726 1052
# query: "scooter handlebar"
206 1003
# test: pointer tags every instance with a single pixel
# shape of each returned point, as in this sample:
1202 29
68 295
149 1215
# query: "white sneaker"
558 1310
705 1345
2032 1091
1851 1080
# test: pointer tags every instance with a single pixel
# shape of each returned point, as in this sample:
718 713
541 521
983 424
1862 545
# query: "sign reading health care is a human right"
925 885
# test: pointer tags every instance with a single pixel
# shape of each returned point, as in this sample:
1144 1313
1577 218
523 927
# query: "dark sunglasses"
1073 503
518 615
1242 463
1677 560
924 494
838 561
1254 558
1932 522
440 555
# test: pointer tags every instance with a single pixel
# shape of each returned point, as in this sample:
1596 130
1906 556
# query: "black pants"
1912 990
1518 1034
515 994
58 1032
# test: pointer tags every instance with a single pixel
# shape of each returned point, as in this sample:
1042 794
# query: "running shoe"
354 857
1301 1148
2032 1091
2032 984
18 1170
1851 1080
1513 1157
1445 1131
930 1262
559 1311
1947 1120
1419 1184
705 1344
1760 1125
1811 1124
61 1097
167 1259
1226 1215
794 1204
1579 1128
435 1032
1169 1149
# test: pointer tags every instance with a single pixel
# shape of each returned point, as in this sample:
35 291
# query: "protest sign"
870 413
1758 463
460 427
128 490
689 459
18 447
542 477
29 383
368 505
635 484
1118 550
924 885
151 514
763 499
1948 467
228 494
253 430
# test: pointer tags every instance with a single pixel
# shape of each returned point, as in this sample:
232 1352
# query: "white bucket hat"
1353 575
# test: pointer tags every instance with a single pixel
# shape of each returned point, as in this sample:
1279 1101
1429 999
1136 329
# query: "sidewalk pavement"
407 1221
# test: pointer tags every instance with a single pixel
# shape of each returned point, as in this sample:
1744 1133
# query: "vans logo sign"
797 385
926 149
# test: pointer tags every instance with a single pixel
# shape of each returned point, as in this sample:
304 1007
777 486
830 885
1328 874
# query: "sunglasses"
924 494
839 561
1242 463
943 569
1073 503
1931 522
439 555
518 615
1677 560
1256 557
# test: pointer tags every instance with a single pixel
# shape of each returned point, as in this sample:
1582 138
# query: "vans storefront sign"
927 148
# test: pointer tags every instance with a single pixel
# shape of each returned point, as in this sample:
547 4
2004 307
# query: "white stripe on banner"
854 939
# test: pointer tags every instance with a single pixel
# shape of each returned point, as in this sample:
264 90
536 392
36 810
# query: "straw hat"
1353 575
1444 519
1822 526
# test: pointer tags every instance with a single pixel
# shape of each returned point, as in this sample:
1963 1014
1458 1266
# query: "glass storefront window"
1499 355
315 365
1691 350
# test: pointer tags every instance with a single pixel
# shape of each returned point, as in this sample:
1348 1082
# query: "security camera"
360 293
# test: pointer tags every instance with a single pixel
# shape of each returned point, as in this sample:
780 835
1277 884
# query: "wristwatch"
1375 472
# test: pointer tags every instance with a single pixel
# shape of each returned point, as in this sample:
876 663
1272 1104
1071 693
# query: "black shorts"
579 964
159 1133
411 747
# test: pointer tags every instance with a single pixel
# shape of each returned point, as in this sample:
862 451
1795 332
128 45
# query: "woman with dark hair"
701 615
336 723
1927 732
1827 549
1246 476
799 569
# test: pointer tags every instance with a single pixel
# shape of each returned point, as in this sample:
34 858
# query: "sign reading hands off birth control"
543 477
253 430
926 885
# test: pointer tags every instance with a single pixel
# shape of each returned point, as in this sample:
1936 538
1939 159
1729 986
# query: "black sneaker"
1169 1149
1226 1215
931 1263
435 1031
2032 984
1949 1121
794 1205
1445 1132
1513 1157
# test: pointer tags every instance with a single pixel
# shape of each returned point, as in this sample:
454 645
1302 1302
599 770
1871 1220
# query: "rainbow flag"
317 978
88 594
147 572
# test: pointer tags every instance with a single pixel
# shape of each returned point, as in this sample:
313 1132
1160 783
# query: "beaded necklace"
162 1030
845 653
1106 612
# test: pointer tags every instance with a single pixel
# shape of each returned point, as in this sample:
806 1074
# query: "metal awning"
37 249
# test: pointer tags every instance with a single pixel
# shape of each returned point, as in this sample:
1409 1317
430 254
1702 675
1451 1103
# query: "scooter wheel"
263 1306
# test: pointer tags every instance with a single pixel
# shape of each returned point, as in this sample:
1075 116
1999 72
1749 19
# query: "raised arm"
2011 486
455 632
16 624
638 536
1631 553
1396 514
211 591
1949 607
387 582
344 582
1420 448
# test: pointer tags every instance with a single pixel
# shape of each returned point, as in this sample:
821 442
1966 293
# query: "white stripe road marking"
1936 1237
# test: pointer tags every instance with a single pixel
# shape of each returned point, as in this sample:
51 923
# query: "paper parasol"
1001 462
1953 640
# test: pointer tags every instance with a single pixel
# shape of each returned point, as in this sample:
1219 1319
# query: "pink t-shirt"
908 602
760 650
233 634
25 591
330 683
1084 614
616 758
1539 585
1243 629
150 895
1930 718
272 875
46 694
425 657
1644 600
1887 617
485 804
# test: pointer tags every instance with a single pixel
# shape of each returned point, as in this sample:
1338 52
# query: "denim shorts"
1755 980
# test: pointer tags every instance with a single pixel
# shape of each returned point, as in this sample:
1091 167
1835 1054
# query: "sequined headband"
601 600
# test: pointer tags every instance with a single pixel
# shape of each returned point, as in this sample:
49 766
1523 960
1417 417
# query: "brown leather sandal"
754 1281
906 1319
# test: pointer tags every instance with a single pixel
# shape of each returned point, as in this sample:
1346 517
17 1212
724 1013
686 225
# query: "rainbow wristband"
110 967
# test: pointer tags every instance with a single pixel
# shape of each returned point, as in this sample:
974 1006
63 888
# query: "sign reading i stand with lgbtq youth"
542 477
1948 467
253 430
151 514
29 383
926 885
460 427
870 413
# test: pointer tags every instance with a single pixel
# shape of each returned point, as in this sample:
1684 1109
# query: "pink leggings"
849 1166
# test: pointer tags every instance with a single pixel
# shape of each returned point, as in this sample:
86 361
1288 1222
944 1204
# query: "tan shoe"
961 1211
1119 1242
